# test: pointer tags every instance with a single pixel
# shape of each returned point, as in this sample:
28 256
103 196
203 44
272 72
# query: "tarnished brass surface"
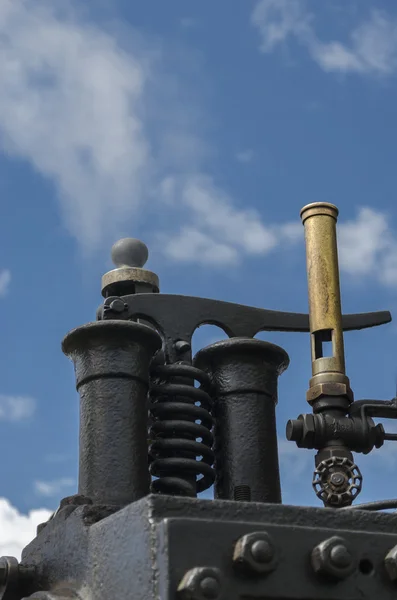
328 389
319 220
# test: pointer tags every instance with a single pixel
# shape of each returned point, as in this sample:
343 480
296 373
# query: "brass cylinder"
326 332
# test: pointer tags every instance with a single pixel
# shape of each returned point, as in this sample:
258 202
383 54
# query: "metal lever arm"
186 313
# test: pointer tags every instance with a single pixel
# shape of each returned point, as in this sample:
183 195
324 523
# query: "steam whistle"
338 426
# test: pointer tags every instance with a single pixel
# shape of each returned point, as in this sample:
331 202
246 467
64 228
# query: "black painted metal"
177 317
315 431
183 314
336 436
111 361
244 374
181 415
144 551
113 539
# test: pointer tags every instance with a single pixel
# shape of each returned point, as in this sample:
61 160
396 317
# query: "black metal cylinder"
111 360
244 373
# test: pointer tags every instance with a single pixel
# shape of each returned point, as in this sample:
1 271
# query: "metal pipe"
111 360
319 220
244 373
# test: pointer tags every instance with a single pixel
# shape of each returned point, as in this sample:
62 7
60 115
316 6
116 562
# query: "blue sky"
201 128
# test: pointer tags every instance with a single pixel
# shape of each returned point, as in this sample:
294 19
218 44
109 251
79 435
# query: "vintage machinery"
158 426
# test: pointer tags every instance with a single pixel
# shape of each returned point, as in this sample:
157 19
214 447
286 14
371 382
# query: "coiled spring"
180 432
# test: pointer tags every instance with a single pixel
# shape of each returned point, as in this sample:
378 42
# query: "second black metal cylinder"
111 360
244 373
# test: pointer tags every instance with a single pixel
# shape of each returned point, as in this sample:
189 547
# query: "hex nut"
333 558
200 583
391 564
331 452
255 553
328 389
308 431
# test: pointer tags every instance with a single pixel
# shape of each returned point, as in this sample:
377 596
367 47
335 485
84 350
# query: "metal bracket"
258 560
177 317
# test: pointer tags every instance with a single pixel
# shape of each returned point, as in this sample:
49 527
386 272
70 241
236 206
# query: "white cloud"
279 19
372 47
220 233
79 107
5 280
368 247
71 104
292 232
362 240
53 488
115 135
192 246
214 211
18 530
82 110
335 57
16 408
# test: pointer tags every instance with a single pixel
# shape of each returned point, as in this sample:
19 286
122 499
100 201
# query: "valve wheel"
337 481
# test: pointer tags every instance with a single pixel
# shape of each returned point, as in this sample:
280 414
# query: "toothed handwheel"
337 481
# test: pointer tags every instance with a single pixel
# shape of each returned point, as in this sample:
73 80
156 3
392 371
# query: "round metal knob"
129 252
129 256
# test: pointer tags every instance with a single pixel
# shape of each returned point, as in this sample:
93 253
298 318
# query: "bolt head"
200 583
262 552
340 556
333 558
255 553
182 346
210 587
337 479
